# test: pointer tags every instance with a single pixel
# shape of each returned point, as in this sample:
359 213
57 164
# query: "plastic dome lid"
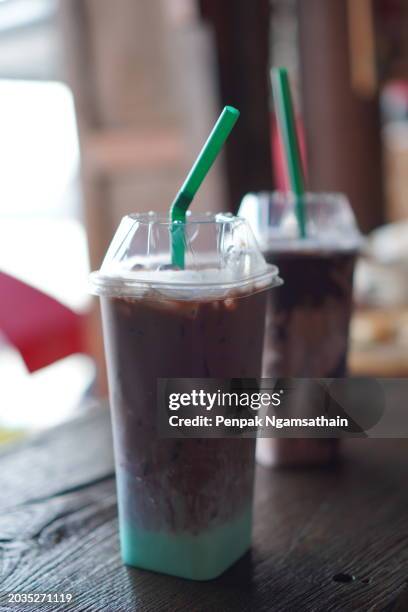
330 221
222 258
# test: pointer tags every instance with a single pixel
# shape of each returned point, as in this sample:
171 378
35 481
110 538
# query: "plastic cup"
307 321
184 504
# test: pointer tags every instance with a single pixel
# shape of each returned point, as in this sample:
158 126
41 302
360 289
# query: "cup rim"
192 218
310 197
124 286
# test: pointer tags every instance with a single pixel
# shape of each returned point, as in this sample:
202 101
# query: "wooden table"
58 533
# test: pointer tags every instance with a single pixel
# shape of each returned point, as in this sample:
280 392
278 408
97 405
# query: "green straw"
197 174
287 128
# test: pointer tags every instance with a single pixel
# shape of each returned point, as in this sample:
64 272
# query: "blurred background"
104 105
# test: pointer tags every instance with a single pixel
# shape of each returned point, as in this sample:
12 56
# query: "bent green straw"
286 122
197 174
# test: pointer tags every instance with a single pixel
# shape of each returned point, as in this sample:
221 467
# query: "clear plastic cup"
307 321
184 504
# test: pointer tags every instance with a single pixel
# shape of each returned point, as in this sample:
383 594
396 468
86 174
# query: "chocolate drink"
184 504
307 325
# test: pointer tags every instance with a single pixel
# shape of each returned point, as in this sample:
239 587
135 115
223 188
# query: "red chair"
42 329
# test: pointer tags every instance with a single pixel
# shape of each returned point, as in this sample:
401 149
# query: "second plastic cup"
307 323
184 504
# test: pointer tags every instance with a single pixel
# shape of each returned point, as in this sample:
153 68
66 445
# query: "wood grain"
58 533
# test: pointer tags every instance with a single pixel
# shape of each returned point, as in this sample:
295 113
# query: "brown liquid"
307 327
179 484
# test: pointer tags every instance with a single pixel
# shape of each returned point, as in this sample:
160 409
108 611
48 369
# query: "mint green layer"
197 557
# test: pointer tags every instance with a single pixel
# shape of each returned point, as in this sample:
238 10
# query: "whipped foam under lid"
222 258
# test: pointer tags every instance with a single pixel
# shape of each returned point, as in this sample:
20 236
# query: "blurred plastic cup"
307 321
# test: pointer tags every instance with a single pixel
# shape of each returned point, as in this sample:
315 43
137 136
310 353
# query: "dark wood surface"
58 532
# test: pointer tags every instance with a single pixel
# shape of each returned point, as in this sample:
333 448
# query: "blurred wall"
343 129
145 103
